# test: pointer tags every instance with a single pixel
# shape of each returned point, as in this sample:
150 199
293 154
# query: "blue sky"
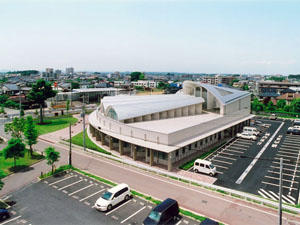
220 36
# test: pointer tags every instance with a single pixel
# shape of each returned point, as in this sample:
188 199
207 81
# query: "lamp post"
20 102
70 142
83 119
280 193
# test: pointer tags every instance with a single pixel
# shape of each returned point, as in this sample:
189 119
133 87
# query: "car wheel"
196 171
109 207
127 197
210 174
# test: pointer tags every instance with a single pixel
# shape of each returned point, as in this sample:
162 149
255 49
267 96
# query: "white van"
252 130
112 197
204 166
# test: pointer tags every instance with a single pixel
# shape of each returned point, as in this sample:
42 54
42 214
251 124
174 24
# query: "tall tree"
30 133
270 106
52 156
134 76
295 105
68 105
2 175
281 103
14 149
15 128
40 91
256 105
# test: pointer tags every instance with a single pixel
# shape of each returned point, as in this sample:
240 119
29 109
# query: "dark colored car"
4 214
209 222
293 131
163 213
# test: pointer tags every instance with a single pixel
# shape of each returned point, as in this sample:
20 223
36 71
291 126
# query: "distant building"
49 70
58 72
70 70
279 86
144 83
215 80
49 74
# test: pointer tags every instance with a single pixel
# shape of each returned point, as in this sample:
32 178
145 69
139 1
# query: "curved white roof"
127 107
224 95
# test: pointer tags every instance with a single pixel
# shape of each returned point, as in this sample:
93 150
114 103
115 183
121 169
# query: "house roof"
269 94
287 97
12 87
287 91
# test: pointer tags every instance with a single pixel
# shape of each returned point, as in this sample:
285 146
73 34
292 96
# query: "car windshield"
155 216
211 166
106 195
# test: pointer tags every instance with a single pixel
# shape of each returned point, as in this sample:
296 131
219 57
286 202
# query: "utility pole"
83 116
280 193
20 102
70 152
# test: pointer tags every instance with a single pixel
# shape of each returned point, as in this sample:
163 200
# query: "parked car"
112 197
163 213
204 166
297 122
273 117
4 214
292 130
252 130
209 222
247 135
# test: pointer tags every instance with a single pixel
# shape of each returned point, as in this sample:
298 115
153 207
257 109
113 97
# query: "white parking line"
222 161
267 194
289 146
70 185
60 180
291 141
285 174
234 151
81 189
221 166
289 153
277 178
179 222
276 167
133 215
288 150
91 195
230 154
288 200
245 173
277 185
8 221
225 157
117 207
275 162
285 156
262 194
239 148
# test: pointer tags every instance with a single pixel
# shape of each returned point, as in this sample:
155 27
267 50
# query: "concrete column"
232 131
133 151
98 136
93 130
102 138
111 143
170 161
151 160
121 147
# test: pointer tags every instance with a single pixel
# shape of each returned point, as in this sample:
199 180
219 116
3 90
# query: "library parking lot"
253 166
70 199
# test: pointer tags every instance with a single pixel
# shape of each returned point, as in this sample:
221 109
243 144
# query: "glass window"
155 216
107 195
177 153
112 114
201 164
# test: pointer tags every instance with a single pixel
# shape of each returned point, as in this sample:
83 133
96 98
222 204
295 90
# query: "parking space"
288 148
70 199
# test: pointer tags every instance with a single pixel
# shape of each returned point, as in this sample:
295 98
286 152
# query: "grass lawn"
78 140
7 165
54 124
189 164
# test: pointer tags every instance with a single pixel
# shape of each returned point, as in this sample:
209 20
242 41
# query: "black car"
163 213
209 222
4 214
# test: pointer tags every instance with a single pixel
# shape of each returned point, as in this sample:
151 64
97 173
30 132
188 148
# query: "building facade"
163 129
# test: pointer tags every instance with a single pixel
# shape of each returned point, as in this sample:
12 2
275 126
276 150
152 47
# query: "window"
183 150
112 114
207 167
197 164
177 153
201 164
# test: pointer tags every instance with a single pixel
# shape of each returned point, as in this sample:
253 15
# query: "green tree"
15 128
257 106
287 108
22 112
233 81
270 106
75 85
281 104
30 133
245 87
68 105
40 91
2 110
295 105
3 99
134 76
2 175
52 156
15 149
